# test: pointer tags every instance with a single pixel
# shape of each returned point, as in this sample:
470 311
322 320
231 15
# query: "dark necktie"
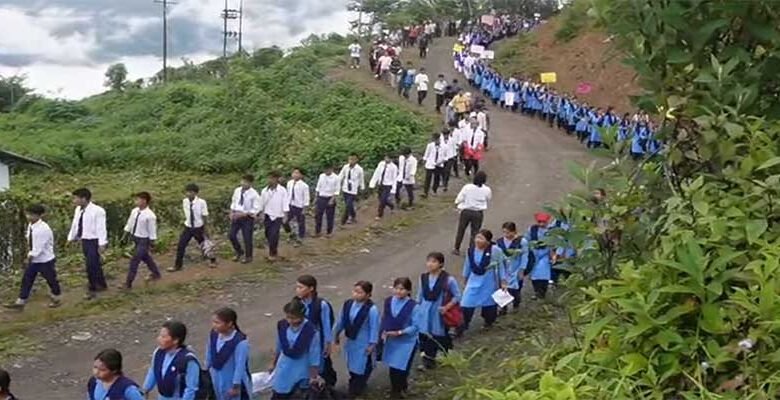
135 224
473 137
382 179
80 230
241 199
192 215
404 168
292 196
349 179
30 238
436 156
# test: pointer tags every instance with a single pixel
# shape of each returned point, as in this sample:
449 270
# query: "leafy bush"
676 290
573 19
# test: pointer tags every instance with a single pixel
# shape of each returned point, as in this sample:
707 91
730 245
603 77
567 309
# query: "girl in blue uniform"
624 129
227 357
582 122
539 265
320 313
399 335
298 353
639 141
439 293
515 249
108 382
594 121
5 385
483 271
360 323
174 371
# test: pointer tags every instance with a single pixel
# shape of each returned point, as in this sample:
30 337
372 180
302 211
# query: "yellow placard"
548 77
457 48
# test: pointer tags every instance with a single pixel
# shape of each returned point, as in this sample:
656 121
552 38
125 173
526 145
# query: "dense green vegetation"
675 294
209 124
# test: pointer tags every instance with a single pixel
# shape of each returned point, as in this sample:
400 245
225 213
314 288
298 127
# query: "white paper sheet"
261 381
502 297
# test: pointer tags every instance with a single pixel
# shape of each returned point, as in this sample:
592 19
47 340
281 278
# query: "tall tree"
116 77
12 89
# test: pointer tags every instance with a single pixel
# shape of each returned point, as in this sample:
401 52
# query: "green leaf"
711 320
595 328
769 163
635 362
733 129
701 206
754 229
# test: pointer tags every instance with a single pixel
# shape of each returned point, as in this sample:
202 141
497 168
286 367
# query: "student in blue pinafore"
539 265
360 323
108 382
298 353
227 357
320 313
639 141
583 118
515 249
175 371
399 335
624 129
5 385
595 120
438 294
483 270
562 256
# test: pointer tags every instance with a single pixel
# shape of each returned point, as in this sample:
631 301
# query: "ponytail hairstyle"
309 281
296 308
5 382
112 359
228 315
487 234
178 331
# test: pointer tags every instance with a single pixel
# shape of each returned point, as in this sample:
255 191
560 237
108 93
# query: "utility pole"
228 13
241 27
165 36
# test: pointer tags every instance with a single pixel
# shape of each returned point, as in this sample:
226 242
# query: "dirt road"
526 168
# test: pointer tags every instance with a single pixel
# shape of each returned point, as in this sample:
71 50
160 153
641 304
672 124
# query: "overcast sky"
65 46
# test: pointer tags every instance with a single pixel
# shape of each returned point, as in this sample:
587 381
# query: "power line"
230 14
165 4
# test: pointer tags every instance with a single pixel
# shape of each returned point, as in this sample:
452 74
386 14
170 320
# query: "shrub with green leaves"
675 294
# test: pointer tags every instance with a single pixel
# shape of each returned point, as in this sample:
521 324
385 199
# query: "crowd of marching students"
561 110
392 331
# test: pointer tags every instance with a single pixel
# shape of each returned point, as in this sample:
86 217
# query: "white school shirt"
473 197
328 185
482 120
451 144
352 179
435 155
421 80
251 201
354 50
274 202
144 222
200 210
93 224
298 191
439 86
407 168
473 137
385 174
41 240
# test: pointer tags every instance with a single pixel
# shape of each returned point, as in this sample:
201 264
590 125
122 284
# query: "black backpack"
205 386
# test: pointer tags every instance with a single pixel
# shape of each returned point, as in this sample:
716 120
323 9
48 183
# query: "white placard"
475 48
502 297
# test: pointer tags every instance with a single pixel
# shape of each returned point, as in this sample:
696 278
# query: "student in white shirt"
484 123
327 191
352 182
421 83
40 259
244 208
195 212
450 144
384 62
142 227
439 87
299 199
89 228
354 54
434 159
384 179
472 201
407 168
274 203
